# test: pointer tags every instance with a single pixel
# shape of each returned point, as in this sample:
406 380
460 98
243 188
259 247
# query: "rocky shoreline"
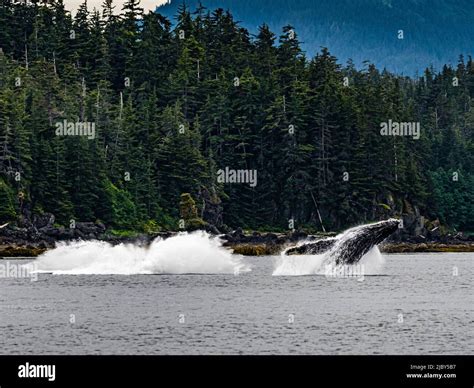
426 247
34 240
263 244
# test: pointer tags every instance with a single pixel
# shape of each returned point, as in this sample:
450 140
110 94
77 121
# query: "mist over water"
186 253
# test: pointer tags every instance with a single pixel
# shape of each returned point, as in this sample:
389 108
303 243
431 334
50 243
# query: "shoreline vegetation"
249 243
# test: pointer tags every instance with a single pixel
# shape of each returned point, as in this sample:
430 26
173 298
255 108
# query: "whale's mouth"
350 246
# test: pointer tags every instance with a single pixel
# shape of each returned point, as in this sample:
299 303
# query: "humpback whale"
350 246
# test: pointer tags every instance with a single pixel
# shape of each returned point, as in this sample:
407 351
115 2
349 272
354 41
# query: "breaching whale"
350 246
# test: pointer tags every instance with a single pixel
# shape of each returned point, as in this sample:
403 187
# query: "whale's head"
356 242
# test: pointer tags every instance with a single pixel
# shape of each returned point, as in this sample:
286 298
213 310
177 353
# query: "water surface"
419 307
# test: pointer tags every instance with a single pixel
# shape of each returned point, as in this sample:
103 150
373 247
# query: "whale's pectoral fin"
313 248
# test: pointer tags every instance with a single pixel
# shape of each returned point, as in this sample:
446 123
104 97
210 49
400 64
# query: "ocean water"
411 304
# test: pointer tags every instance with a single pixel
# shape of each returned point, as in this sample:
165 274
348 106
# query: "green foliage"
150 227
122 210
189 213
170 112
123 233
187 207
453 196
7 199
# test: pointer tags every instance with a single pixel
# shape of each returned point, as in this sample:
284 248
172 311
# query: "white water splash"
185 253
373 262
298 265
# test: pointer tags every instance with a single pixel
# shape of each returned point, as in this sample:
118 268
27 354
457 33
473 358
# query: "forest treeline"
434 32
174 103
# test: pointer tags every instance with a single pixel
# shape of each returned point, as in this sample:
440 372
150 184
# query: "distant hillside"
435 32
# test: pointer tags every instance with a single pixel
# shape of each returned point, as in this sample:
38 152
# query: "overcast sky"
147 5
